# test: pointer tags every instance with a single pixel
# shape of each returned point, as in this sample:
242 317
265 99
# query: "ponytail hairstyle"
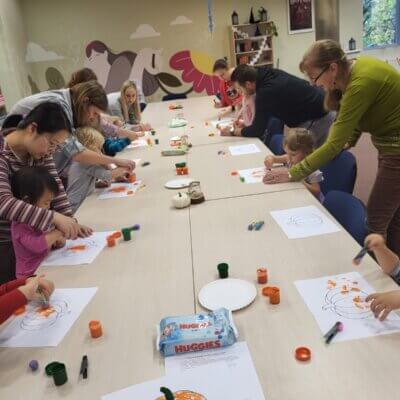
87 94
49 118
221 63
299 139
320 55
82 75
124 106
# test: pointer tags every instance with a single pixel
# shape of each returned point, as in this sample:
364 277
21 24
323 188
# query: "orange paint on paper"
357 299
129 192
117 189
20 310
79 247
354 289
332 283
344 291
45 312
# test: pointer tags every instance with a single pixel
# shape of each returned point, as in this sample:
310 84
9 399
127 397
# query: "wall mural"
36 53
112 69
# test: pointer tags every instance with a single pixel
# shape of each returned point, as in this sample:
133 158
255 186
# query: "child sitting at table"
15 294
383 303
82 178
36 186
298 144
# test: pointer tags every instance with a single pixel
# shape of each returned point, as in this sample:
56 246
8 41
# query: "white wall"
13 69
350 23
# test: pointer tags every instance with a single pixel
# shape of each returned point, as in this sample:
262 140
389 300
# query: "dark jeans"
384 202
7 262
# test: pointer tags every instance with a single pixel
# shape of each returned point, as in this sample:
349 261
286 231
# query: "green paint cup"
223 270
126 233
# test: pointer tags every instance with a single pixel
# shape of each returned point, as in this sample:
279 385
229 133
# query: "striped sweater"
12 209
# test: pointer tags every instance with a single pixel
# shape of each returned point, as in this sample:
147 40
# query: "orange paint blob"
20 310
45 312
354 289
79 247
129 192
118 189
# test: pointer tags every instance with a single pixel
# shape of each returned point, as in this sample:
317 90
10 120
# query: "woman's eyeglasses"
320 74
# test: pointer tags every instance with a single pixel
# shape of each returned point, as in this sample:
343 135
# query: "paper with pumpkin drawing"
77 252
117 190
210 382
342 298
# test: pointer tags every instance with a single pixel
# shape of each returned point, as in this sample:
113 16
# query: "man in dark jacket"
281 95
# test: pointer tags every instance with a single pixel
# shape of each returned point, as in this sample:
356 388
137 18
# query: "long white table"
175 253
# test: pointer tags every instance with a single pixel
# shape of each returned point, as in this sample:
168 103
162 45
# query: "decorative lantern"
235 18
195 193
352 44
263 14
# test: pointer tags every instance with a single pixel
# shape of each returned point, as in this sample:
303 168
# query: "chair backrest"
173 96
275 127
340 173
276 145
350 213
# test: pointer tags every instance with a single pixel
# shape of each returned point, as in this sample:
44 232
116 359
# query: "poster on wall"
300 16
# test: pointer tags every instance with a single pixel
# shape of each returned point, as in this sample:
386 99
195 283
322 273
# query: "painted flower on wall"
196 68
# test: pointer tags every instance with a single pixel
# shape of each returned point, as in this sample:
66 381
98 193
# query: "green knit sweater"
371 103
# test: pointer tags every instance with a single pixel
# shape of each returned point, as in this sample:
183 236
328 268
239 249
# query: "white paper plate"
175 138
232 294
179 183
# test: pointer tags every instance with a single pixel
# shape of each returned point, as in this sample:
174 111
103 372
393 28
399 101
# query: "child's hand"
217 104
374 242
238 123
119 123
59 244
269 162
32 285
140 133
120 174
67 225
145 127
276 175
101 184
84 231
383 303
133 136
128 164
226 131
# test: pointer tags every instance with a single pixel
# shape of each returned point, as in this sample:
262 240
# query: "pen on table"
84 367
338 327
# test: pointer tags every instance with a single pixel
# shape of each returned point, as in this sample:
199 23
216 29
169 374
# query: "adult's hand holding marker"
383 303
70 227
277 175
269 162
128 164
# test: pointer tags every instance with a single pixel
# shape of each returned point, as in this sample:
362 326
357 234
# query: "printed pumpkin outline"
38 318
305 220
180 395
346 300
112 68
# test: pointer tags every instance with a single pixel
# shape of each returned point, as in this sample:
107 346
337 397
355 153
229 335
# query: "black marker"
338 327
84 367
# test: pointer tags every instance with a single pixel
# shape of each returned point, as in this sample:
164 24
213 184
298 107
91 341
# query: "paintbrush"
45 303
360 255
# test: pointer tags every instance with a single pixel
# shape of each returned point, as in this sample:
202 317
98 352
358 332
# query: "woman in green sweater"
366 94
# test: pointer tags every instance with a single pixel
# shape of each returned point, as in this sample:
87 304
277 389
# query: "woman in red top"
229 94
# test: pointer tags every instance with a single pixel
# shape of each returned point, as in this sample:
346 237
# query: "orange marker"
79 247
129 192
95 329
234 173
303 354
116 235
262 276
274 296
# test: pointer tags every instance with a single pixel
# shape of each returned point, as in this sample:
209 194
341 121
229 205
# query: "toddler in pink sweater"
36 186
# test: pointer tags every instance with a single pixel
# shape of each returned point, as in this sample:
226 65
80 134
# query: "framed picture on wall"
300 16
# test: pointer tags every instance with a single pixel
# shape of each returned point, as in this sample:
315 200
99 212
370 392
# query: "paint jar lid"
303 354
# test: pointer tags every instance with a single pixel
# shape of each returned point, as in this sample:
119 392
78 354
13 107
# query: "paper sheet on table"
204 383
78 252
342 298
39 328
222 123
138 143
117 190
252 175
244 149
236 358
304 222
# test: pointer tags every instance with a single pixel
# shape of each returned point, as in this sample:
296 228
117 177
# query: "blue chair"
274 127
276 145
340 173
350 213
174 96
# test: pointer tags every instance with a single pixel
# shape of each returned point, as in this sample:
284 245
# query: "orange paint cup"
95 329
274 295
262 276
116 235
111 241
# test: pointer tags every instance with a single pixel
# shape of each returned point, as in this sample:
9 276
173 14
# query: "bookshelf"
249 41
